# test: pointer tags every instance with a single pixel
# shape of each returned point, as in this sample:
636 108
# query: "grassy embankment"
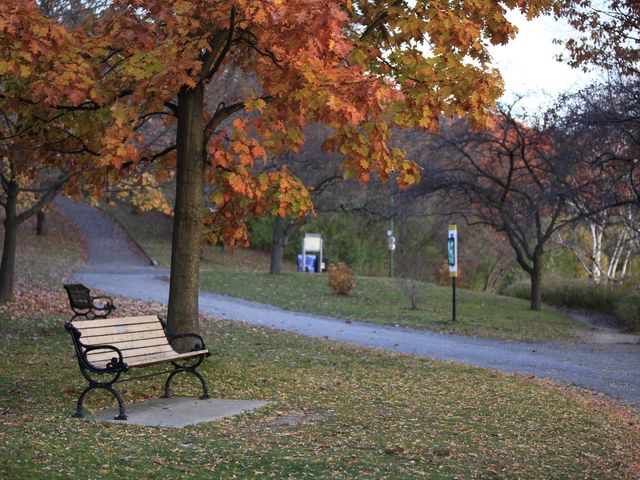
338 412
242 273
619 302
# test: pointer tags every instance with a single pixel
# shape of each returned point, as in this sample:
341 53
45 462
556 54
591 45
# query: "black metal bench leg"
121 414
205 388
79 411
79 408
166 393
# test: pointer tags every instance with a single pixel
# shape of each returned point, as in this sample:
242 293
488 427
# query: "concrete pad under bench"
178 412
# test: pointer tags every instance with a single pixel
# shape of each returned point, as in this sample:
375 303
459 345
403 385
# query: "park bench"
108 347
85 305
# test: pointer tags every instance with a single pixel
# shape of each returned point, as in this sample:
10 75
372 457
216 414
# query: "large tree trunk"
187 222
40 223
536 281
8 262
277 248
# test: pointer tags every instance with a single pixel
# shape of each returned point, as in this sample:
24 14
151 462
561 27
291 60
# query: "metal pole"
453 284
391 226
452 259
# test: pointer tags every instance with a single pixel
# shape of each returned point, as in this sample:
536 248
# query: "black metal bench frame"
84 305
117 366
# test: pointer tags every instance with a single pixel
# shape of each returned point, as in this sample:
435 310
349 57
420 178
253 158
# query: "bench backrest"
140 339
79 295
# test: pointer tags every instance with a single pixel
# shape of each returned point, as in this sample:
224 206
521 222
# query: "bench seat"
141 340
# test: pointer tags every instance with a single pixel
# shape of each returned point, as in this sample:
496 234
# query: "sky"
528 65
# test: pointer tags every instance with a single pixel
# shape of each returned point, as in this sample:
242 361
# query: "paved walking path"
610 368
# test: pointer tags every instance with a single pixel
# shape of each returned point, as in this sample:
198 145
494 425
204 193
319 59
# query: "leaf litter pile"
338 412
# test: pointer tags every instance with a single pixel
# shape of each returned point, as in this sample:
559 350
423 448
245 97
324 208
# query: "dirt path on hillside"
602 330
107 243
612 366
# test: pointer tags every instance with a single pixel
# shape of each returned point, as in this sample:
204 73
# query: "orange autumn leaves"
44 57
359 67
240 192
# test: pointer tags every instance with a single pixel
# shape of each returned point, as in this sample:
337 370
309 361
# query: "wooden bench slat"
123 337
152 359
138 343
108 322
121 329
127 354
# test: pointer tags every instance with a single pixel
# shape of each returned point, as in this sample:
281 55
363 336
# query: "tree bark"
7 264
40 223
182 314
277 247
597 232
625 264
616 255
536 281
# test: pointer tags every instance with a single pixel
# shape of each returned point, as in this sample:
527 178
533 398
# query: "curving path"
114 267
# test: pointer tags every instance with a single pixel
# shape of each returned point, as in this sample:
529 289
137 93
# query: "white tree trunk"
625 264
597 233
616 255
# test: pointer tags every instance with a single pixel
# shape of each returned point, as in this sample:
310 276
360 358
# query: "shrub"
341 279
627 311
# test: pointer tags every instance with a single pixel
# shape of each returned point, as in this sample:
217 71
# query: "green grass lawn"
382 300
241 273
339 412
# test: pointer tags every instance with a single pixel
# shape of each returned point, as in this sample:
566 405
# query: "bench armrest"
197 346
107 303
116 364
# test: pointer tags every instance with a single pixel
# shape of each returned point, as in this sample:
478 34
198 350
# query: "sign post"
452 258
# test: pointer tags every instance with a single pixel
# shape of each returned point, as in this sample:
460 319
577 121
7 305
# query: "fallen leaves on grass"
600 401
34 301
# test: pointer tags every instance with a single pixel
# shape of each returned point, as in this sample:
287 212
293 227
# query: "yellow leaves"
120 115
24 71
143 192
237 183
409 174
429 122
255 104
240 148
183 7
